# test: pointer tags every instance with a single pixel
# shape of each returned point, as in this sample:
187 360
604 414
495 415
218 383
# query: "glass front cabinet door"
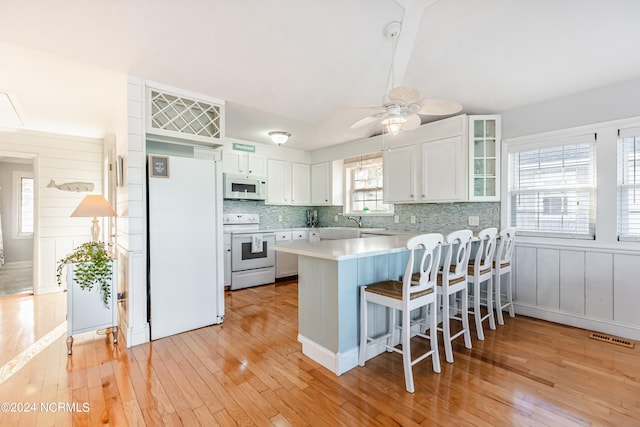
485 136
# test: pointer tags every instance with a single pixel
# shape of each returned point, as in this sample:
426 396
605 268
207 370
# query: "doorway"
17 225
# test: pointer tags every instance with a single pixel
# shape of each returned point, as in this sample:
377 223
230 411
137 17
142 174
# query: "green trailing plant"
93 267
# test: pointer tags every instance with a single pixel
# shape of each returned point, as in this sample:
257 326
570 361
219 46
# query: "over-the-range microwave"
244 187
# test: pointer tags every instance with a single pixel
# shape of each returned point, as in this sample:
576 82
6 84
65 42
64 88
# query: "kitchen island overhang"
330 274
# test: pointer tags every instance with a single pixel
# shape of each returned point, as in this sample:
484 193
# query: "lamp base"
95 230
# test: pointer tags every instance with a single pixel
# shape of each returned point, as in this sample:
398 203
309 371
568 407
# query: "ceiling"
306 67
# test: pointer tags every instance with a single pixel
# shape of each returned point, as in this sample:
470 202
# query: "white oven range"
252 259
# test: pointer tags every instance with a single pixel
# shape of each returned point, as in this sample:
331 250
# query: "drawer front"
283 236
300 235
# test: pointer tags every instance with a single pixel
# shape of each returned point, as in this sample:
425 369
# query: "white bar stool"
480 272
451 281
502 266
407 296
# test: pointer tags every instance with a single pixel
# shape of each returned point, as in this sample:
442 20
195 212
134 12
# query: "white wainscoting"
592 288
61 158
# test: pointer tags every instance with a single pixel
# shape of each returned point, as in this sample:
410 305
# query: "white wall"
131 227
592 284
16 249
596 106
63 159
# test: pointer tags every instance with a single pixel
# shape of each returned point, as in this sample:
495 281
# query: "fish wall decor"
72 186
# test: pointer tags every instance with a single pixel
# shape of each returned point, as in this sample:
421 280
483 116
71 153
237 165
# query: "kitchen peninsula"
330 273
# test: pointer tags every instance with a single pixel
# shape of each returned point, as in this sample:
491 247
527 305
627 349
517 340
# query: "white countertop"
343 249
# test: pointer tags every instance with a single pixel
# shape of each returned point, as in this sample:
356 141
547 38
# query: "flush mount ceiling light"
279 136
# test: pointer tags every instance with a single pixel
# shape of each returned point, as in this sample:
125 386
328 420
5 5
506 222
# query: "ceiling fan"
401 107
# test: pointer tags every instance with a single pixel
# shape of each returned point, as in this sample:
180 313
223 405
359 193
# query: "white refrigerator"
185 252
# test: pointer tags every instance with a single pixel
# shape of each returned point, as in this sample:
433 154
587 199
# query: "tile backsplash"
430 217
292 216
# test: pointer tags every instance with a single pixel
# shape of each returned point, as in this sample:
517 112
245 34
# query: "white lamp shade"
93 205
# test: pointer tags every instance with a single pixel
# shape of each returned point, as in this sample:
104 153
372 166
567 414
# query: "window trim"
624 133
17 177
348 166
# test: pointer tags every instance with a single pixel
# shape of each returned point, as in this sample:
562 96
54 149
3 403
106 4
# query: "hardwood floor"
250 371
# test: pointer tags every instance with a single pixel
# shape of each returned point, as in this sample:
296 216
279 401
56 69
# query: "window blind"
552 188
629 184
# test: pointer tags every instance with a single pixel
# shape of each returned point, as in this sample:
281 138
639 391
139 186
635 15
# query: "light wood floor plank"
250 371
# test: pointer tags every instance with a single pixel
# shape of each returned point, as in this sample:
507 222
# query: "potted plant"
90 300
93 267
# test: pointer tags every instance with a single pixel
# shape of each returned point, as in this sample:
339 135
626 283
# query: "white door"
182 247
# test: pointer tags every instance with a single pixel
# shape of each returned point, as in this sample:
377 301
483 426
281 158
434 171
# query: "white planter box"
85 309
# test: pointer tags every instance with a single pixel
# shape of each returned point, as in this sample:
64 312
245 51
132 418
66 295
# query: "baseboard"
49 290
583 322
338 363
137 336
18 264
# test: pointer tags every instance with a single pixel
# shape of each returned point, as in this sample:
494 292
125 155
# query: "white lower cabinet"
287 264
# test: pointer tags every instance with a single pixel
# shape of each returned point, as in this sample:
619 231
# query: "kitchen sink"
335 233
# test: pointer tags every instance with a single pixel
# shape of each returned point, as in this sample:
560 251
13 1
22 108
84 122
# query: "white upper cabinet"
300 184
400 174
288 183
443 170
321 184
183 117
248 164
326 183
426 173
485 136
278 182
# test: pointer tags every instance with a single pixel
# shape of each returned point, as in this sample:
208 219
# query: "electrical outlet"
335 218
396 219
413 219
474 221
279 218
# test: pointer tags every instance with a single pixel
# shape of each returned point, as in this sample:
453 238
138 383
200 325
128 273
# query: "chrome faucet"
357 221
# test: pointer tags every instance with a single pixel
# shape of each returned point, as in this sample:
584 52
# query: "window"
364 188
629 184
23 184
552 188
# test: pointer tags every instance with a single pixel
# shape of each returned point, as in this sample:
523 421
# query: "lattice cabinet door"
176 116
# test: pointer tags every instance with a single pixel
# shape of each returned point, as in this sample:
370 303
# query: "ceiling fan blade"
365 121
405 94
413 122
438 107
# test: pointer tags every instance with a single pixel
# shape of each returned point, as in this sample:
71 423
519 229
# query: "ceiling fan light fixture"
279 136
393 124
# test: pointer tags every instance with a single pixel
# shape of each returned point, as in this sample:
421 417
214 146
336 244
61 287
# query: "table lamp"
94 205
